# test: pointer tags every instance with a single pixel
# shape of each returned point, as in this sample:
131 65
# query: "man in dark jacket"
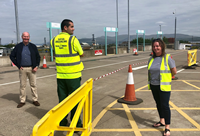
26 57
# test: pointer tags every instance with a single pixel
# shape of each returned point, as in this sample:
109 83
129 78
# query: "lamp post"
175 32
160 31
128 30
117 18
17 22
116 33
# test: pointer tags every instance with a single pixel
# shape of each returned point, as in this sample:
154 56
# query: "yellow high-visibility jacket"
66 57
165 74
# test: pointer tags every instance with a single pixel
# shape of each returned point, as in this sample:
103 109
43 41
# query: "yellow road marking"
171 129
144 129
187 80
133 123
131 120
96 120
173 90
139 89
112 130
116 109
188 108
191 85
185 115
182 108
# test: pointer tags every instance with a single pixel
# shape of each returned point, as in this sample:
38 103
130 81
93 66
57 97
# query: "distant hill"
122 38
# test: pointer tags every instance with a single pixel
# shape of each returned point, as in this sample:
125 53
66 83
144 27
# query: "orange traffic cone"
130 91
44 63
173 77
151 54
136 52
12 64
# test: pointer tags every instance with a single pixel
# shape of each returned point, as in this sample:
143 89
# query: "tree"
165 40
182 41
9 45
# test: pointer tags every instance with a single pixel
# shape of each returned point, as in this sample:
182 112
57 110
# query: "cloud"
91 16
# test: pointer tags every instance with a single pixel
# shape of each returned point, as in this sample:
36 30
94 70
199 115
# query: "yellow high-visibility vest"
66 57
165 74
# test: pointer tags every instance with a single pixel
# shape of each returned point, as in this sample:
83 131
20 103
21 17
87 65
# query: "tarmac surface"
110 118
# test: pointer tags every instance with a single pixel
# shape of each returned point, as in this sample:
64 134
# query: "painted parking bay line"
136 68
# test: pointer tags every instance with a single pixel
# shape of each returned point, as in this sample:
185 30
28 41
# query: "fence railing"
50 122
192 57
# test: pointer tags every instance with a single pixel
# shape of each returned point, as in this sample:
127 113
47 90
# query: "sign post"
159 33
51 26
141 32
110 29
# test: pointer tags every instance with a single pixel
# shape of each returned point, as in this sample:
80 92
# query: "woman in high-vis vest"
161 68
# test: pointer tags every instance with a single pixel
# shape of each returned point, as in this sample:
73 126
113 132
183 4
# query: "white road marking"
180 70
136 68
18 81
9 83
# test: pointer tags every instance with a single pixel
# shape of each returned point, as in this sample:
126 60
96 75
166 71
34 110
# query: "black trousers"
64 88
162 102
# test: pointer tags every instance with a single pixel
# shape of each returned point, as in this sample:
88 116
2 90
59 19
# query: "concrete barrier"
5 61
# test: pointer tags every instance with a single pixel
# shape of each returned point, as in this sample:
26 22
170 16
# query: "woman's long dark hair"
161 43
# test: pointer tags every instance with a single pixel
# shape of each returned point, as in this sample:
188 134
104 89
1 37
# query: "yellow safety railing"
50 122
192 56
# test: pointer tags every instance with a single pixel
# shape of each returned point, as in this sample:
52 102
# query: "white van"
1 52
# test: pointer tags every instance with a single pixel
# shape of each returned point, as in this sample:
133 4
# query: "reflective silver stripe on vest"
165 71
166 68
165 62
70 45
67 55
68 64
53 43
165 83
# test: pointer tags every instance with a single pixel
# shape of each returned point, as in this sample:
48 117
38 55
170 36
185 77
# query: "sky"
91 16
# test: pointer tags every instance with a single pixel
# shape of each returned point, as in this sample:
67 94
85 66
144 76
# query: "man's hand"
35 69
21 68
82 55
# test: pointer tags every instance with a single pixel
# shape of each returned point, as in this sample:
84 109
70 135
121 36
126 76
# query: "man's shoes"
20 105
36 103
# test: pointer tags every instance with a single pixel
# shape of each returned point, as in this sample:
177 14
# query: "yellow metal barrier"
50 122
192 56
